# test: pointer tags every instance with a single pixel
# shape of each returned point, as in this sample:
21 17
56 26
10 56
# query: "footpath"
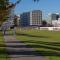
17 50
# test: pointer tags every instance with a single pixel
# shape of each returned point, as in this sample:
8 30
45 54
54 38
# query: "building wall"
25 19
36 17
31 18
53 17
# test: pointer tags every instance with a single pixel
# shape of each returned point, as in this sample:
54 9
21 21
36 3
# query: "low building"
56 23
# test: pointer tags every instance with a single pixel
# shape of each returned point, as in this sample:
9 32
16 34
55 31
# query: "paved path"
19 51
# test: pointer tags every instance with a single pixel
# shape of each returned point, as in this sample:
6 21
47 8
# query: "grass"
39 35
54 58
3 55
45 42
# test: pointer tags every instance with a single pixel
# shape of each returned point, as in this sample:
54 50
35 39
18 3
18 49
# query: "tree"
44 23
5 9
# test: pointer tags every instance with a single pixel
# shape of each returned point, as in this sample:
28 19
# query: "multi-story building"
25 19
33 18
36 18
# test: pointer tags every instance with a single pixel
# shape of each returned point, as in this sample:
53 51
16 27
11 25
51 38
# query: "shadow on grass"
41 42
34 46
51 52
18 34
28 35
3 53
29 53
34 53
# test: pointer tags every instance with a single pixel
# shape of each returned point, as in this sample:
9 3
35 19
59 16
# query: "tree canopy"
5 8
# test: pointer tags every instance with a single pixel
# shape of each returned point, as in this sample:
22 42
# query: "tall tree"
5 8
3 11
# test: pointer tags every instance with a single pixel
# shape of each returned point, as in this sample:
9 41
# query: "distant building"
36 18
33 18
53 18
18 20
56 23
25 19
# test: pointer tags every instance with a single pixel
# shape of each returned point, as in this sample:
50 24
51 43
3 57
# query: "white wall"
50 28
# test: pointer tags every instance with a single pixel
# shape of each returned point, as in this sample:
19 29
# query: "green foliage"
3 4
28 35
3 11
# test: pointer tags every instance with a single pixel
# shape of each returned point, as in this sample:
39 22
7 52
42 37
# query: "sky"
46 6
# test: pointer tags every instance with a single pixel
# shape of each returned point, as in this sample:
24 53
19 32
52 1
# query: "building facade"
33 18
56 23
36 18
25 19
53 17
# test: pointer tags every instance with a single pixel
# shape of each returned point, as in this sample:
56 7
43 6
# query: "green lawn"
44 42
54 58
39 35
3 55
